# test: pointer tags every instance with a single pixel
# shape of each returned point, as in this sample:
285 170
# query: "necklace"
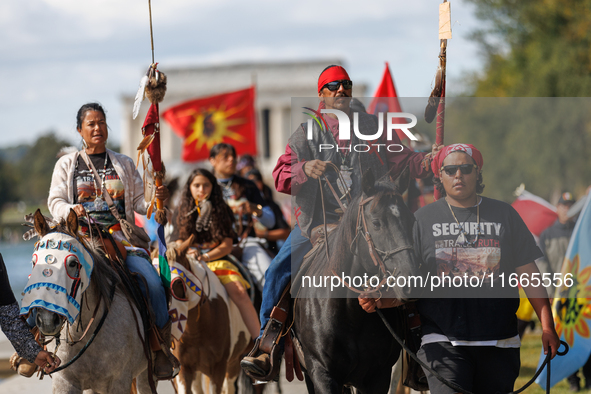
463 237
99 202
227 188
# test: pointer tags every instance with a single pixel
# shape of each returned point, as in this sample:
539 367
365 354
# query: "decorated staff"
436 103
152 85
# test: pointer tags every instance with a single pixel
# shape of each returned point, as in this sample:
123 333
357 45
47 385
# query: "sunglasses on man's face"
335 85
464 168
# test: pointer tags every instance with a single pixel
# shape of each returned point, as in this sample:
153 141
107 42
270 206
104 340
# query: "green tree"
532 48
536 48
35 168
7 183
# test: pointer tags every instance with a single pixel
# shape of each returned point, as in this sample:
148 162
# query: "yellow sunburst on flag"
572 308
212 126
223 118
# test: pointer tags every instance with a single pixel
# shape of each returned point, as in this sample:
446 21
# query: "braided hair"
222 218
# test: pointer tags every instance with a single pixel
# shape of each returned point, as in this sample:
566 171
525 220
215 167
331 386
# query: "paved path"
16 384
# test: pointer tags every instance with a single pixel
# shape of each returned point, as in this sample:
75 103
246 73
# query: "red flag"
537 213
386 100
151 126
205 122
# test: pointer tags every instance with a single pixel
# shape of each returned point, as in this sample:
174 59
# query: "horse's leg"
321 380
309 384
376 382
143 383
197 384
62 386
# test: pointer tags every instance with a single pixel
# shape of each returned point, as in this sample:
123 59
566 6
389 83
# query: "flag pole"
436 105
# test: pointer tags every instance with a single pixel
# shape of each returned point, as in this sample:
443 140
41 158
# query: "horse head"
186 285
381 228
62 270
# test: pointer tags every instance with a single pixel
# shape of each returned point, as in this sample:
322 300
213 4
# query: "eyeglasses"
464 168
335 85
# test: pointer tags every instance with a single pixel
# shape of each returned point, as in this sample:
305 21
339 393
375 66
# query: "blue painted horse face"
61 273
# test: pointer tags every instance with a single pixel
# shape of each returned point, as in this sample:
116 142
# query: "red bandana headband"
468 149
336 73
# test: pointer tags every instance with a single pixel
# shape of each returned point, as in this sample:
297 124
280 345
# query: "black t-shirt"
486 311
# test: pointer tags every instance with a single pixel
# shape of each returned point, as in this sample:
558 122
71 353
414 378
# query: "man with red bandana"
466 236
297 173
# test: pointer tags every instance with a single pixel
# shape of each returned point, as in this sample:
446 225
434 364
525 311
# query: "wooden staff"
436 105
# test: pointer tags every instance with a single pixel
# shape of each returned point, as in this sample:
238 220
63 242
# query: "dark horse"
342 344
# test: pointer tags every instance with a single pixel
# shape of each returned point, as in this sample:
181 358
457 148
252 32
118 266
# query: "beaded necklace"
463 237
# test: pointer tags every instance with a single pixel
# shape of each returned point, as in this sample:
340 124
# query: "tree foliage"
25 170
536 48
532 48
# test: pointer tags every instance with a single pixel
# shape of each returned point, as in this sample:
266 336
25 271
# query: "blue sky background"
56 55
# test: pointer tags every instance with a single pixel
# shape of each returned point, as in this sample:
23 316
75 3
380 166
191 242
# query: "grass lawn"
531 348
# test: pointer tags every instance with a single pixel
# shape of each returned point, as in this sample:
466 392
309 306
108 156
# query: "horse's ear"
41 226
72 222
401 183
181 249
368 182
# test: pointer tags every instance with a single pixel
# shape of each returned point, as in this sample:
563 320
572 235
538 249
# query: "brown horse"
209 336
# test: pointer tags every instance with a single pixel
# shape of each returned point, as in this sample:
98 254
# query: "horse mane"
104 276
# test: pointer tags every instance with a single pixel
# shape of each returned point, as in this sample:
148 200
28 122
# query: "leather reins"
361 225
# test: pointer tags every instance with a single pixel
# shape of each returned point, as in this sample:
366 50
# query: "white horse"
70 282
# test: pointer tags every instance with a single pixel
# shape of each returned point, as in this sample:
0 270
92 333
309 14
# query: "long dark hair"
222 217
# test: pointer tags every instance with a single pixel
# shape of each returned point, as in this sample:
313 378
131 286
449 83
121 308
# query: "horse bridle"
378 256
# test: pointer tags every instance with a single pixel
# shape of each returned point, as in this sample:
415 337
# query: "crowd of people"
228 209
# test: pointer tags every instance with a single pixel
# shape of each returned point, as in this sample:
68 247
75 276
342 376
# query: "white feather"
140 96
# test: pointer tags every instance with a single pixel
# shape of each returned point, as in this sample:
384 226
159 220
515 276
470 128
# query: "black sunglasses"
464 168
335 85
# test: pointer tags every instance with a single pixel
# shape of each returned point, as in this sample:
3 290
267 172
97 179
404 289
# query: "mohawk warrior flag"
386 100
205 122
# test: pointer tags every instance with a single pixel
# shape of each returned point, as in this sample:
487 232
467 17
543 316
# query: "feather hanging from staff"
149 148
141 93
433 104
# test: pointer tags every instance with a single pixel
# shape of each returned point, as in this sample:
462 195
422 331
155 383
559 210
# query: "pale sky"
56 55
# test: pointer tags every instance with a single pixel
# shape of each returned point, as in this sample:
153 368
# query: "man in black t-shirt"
472 339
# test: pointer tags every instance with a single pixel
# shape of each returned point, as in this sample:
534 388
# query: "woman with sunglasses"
472 341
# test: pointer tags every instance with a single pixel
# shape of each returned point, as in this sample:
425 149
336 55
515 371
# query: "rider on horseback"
73 186
211 226
300 180
245 200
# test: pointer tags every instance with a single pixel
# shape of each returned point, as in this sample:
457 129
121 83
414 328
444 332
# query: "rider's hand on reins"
370 304
315 168
80 211
47 362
